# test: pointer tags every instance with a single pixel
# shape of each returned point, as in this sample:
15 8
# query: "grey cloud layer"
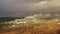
24 7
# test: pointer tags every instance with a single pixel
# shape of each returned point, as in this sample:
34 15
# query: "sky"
20 8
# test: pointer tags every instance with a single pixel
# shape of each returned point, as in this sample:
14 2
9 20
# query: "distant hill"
4 19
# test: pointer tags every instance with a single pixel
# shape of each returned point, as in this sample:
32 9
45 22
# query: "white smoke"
33 19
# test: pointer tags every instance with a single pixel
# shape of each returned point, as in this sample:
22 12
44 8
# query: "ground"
41 28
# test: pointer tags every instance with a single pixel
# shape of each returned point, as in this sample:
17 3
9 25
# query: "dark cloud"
25 7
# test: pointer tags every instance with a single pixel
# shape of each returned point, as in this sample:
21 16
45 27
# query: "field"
40 28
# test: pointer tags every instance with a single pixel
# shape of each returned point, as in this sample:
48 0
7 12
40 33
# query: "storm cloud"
18 8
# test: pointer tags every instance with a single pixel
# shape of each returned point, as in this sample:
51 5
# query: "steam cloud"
30 20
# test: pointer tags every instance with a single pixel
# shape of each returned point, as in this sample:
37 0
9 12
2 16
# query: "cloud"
26 7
